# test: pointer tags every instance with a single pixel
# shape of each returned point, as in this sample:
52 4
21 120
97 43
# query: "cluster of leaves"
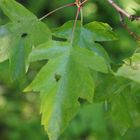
71 71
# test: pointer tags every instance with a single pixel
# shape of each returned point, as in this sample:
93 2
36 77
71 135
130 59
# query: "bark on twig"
124 14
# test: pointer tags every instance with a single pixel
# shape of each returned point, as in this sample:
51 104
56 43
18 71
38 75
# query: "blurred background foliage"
19 113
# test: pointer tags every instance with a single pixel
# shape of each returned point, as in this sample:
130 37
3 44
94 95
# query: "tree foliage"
77 73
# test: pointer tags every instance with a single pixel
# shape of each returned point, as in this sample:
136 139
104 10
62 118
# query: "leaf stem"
123 12
79 5
57 9
74 26
82 19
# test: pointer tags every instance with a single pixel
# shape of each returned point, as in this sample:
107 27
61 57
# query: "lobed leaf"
62 81
25 28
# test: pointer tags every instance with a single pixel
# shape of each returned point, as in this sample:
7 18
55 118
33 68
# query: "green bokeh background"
19 112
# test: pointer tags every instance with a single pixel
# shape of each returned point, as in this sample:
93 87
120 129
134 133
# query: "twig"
133 34
77 2
79 5
123 12
82 3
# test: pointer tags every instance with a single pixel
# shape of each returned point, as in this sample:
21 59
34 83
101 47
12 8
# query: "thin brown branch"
79 5
133 34
82 3
123 12
77 2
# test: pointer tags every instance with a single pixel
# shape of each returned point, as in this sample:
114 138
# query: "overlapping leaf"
122 101
124 106
18 37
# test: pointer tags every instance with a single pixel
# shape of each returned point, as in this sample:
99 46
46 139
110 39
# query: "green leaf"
15 11
87 35
87 120
95 31
17 60
52 49
121 102
124 106
25 28
62 81
120 113
68 73
131 68
91 115
5 43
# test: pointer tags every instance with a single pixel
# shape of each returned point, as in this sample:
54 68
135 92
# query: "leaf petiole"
57 9
74 26
79 5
